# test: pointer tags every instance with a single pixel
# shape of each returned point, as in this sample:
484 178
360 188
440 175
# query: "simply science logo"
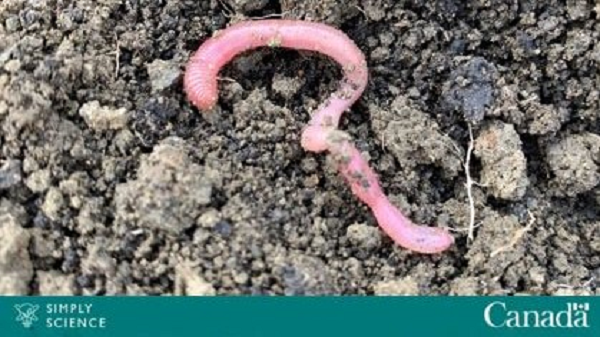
572 315
59 316
26 314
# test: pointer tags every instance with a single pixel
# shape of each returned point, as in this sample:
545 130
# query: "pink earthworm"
365 185
321 134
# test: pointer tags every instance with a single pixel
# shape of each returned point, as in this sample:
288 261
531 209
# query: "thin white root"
516 237
586 285
460 230
117 53
469 185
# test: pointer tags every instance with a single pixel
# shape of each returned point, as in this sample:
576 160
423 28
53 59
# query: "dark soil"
111 182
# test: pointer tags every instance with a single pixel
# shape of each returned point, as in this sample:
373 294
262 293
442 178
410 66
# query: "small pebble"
163 74
104 118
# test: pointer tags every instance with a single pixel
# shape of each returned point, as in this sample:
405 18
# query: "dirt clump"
504 167
574 164
170 189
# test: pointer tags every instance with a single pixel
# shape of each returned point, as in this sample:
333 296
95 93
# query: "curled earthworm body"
321 133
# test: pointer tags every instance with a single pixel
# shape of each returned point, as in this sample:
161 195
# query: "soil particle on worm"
112 183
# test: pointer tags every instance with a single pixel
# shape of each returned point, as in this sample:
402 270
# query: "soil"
111 182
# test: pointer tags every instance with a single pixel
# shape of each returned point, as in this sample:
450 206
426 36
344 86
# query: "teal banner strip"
299 316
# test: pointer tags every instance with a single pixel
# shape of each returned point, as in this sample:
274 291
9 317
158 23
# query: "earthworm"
321 133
